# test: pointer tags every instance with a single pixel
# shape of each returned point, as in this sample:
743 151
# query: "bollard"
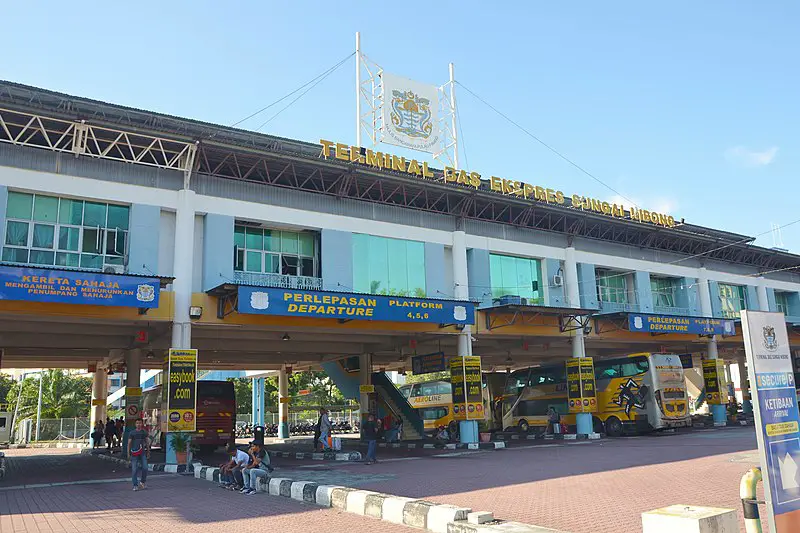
747 491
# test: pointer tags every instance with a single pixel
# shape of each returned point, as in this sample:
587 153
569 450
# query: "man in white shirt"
230 473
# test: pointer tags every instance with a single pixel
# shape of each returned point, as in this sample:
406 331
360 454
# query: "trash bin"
258 434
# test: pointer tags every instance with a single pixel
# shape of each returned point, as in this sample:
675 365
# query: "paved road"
583 488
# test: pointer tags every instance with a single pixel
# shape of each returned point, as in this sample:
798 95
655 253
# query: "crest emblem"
770 338
411 114
145 293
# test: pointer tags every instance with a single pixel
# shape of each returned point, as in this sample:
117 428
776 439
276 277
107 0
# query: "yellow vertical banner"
714 380
467 387
458 388
182 390
581 387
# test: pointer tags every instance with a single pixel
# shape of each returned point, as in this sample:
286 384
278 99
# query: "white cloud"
751 158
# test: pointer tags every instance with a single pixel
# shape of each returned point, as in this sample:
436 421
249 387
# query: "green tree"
5 385
64 395
243 388
424 378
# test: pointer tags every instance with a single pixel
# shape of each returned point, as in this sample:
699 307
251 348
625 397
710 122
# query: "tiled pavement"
170 503
582 488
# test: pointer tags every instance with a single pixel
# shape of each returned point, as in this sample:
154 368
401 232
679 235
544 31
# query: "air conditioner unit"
114 269
558 280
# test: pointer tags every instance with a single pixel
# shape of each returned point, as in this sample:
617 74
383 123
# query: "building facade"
207 210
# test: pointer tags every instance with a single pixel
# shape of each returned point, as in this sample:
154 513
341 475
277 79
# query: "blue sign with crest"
75 287
350 306
689 325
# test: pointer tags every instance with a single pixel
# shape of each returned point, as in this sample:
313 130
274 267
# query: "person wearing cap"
256 468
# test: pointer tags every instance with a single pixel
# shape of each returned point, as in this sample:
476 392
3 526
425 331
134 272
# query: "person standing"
138 453
324 429
110 433
370 432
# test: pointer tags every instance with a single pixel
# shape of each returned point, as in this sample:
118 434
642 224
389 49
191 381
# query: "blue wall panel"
644 293
434 272
480 280
587 284
337 260
550 268
217 250
145 222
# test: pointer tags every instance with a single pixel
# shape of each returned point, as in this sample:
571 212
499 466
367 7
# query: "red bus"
216 415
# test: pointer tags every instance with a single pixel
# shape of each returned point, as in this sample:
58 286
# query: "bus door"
671 405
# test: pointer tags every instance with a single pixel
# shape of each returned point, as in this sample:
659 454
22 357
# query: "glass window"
272 263
15 255
118 216
68 238
515 276
782 302
42 258
238 260
91 240
272 240
91 261
255 239
732 300
71 212
67 260
238 236
20 205
43 235
94 214
45 208
663 290
388 266
611 287
254 261
307 244
289 242
289 265
17 233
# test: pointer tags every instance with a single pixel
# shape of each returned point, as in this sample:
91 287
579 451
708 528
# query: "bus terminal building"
125 233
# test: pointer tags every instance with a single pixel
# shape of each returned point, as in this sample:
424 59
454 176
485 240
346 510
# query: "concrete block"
286 488
594 436
690 519
373 506
310 492
299 455
323 495
297 489
473 446
514 437
339 498
342 456
412 446
262 484
415 513
450 446
357 501
198 472
440 515
275 485
570 436
318 456
428 446
480 517
393 509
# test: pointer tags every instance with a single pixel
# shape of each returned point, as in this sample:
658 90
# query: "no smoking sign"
132 410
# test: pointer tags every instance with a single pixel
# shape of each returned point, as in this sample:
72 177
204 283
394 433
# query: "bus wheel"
523 426
597 425
613 427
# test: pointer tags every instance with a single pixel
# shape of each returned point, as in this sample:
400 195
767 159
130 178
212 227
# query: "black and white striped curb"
154 467
44 445
452 446
564 436
327 456
412 512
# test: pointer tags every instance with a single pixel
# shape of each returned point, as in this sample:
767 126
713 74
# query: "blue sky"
686 107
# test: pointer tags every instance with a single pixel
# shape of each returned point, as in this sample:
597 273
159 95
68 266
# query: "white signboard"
410 114
769 367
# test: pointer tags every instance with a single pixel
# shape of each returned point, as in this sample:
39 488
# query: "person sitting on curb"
230 473
256 468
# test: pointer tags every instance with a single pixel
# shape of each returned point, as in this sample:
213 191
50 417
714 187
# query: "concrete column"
718 412
182 286
744 385
257 416
364 378
467 429
133 367
283 408
583 422
99 392
761 294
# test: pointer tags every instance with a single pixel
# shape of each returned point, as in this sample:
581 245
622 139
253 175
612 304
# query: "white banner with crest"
410 114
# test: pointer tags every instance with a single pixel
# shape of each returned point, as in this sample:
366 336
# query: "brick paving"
582 488
170 503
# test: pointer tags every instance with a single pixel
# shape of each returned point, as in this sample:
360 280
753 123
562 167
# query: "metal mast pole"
453 106
358 89
39 406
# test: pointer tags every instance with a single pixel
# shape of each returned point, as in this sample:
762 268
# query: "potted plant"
483 431
180 443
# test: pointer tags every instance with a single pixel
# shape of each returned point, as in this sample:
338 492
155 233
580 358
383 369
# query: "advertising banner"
777 419
410 114
714 380
426 364
467 388
581 387
182 390
349 306
71 287
688 325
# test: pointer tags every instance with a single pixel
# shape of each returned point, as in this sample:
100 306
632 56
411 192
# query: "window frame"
275 255
605 290
730 295
498 263
664 291
118 258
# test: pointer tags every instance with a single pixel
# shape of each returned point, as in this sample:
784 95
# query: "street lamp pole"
39 407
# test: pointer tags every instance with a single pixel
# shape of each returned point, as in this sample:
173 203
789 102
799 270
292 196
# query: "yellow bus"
434 401
635 393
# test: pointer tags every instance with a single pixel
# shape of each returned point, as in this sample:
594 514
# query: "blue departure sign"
769 367
687 325
352 306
